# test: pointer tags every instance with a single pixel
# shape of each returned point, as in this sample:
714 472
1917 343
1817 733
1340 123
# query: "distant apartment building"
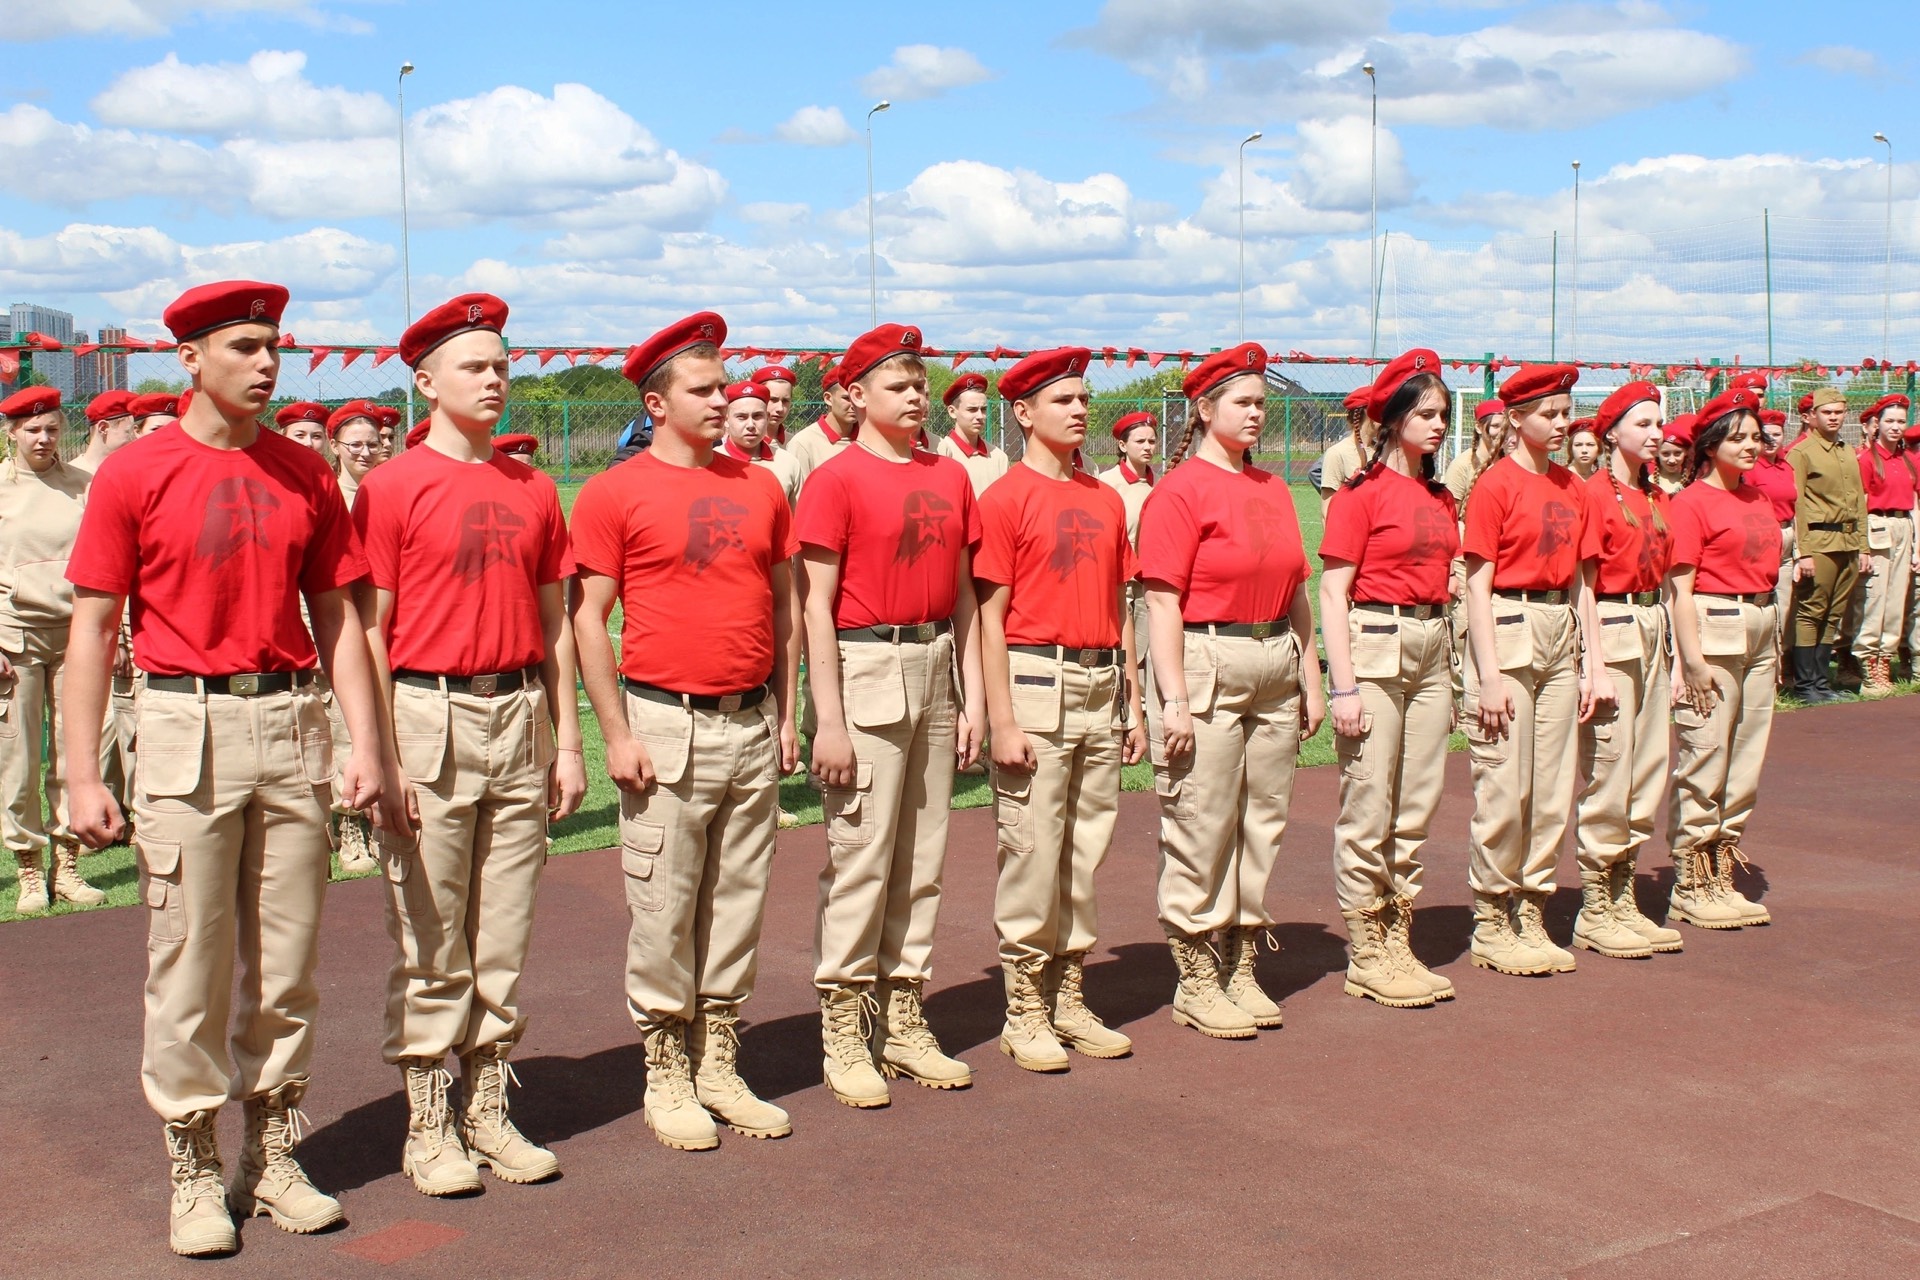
57 367
98 371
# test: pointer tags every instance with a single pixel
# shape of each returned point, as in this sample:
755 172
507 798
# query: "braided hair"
1400 407
1645 484
1212 398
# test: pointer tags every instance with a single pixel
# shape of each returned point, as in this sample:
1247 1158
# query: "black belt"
1759 599
1424 612
913 633
479 686
700 701
1645 599
1830 526
246 684
1080 657
1244 630
1532 597
1891 515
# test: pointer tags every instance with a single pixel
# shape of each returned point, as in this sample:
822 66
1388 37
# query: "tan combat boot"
1198 1000
434 1157
846 1031
1696 894
1075 1025
1242 948
1530 922
1373 970
1400 943
1878 681
671 1108
908 1047
1597 928
68 885
1626 909
1496 946
197 1220
269 1179
356 848
1726 855
33 886
713 1042
491 1139
1027 1037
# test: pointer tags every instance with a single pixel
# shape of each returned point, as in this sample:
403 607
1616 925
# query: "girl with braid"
1623 748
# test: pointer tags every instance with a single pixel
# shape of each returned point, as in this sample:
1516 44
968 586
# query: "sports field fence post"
566 442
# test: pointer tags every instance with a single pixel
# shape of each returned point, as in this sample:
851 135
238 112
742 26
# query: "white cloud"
816 127
1149 28
265 96
132 17
81 258
924 71
963 212
52 162
1844 60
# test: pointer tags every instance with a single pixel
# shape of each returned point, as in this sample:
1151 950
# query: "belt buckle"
1087 657
731 702
484 686
244 685
924 633
1260 630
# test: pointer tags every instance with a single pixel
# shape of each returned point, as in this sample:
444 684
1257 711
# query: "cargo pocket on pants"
1175 800
640 847
850 813
316 738
173 733
166 910
1013 809
1600 739
1356 753
9 723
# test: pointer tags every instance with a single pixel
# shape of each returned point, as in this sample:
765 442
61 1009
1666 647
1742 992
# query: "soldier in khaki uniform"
1349 453
41 499
967 443
814 443
236 763
465 603
1830 535
1137 435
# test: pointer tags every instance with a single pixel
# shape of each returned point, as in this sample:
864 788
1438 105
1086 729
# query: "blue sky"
1048 172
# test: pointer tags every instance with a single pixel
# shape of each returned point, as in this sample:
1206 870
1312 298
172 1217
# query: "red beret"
1732 400
1912 434
1400 370
418 436
1043 369
1751 381
347 413
652 355
300 411
1583 424
831 377
1773 418
387 416
1805 405
1357 398
866 352
1248 357
516 442
204 308
31 402
1537 382
1138 418
167 403
1615 406
773 373
464 314
1680 430
109 404
1874 410
746 391
1487 408
961 385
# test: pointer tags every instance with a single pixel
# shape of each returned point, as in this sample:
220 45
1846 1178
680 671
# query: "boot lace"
428 1088
850 1023
907 1017
667 1050
487 1107
195 1152
1533 925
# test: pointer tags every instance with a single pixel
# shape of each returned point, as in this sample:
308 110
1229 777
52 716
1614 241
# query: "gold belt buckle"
925 633
1087 657
730 702
247 684
484 686
1261 630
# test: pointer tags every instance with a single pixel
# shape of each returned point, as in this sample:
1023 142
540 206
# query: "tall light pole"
1573 339
406 250
1373 219
1886 305
1255 136
873 261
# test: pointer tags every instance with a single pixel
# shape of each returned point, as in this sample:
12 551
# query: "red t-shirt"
1891 488
1633 555
1535 528
1400 534
1061 545
465 548
692 550
1775 479
1227 541
1729 536
213 548
898 528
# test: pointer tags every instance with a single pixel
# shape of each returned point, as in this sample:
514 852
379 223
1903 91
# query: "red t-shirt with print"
1729 536
1227 541
1633 553
1775 479
1061 546
1888 479
1535 528
1399 534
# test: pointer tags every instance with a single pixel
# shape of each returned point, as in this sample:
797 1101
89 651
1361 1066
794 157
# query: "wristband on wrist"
1344 693
1173 702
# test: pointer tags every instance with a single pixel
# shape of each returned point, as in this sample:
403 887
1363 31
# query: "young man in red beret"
215 531
466 606
1830 539
778 382
887 531
696 547
747 439
1063 696
1350 452
967 443
304 423
110 424
813 444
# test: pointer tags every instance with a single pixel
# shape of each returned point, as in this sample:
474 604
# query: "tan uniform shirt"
1828 477
348 486
1459 479
39 519
786 471
982 468
1133 496
1337 466
809 447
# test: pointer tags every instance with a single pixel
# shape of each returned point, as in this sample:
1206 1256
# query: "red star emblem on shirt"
1073 540
487 533
238 509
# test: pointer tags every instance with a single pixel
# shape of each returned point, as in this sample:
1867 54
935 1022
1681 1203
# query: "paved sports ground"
1742 1109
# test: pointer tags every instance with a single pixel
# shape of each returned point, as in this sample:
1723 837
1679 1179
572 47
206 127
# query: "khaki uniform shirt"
1459 479
982 468
39 519
786 471
1133 496
1828 477
808 447
1337 466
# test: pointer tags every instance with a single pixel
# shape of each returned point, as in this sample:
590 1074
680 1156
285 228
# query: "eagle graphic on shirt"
713 529
487 534
238 510
923 525
1074 539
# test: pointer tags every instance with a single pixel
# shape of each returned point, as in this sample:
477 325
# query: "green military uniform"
1829 528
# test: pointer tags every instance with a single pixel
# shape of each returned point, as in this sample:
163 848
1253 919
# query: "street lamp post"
1373 217
1886 304
873 261
1573 339
406 251
1255 136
